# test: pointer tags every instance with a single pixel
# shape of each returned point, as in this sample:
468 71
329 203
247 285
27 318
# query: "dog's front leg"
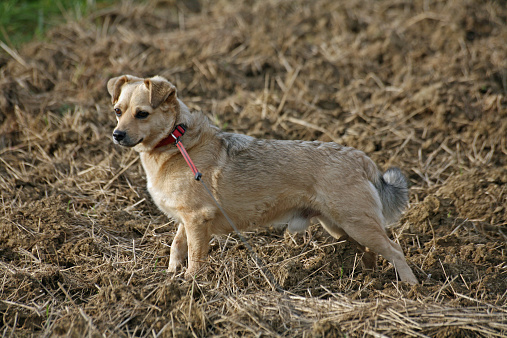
198 238
179 249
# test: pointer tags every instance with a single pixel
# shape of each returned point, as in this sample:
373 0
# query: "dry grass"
421 85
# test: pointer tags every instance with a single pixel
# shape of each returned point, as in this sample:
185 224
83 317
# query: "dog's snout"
119 135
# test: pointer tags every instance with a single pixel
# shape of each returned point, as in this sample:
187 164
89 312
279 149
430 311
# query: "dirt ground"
421 85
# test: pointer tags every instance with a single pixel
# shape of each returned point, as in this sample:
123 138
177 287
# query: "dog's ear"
160 90
114 85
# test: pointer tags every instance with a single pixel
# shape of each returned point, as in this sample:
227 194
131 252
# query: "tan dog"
258 182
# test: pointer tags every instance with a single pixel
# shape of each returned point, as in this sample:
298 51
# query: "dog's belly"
297 221
298 224
295 224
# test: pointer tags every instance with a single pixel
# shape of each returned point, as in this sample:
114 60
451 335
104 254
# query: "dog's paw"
193 272
174 265
172 268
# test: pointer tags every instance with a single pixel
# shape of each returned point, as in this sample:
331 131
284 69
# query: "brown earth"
421 85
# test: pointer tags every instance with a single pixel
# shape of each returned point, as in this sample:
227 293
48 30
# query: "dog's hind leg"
368 232
333 229
369 258
179 249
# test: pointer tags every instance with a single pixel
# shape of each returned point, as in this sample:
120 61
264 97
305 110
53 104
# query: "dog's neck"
197 126
173 137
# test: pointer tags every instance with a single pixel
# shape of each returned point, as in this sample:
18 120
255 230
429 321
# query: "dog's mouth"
127 143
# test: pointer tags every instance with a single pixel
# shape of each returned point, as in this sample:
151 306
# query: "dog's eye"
142 114
117 111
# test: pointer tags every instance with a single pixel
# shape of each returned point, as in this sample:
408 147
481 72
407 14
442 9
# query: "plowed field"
420 85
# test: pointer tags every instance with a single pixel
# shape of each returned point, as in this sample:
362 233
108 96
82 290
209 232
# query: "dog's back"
304 171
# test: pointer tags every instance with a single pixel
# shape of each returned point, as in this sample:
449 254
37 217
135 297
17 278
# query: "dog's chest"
167 202
160 188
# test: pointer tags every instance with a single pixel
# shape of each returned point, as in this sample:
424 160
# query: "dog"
258 182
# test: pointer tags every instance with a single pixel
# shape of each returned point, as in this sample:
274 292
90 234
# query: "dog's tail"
392 188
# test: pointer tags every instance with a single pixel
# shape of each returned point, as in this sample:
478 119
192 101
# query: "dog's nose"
119 135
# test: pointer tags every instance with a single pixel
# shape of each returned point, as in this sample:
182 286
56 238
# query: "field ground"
421 85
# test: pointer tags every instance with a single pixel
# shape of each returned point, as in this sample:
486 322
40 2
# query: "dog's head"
146 110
